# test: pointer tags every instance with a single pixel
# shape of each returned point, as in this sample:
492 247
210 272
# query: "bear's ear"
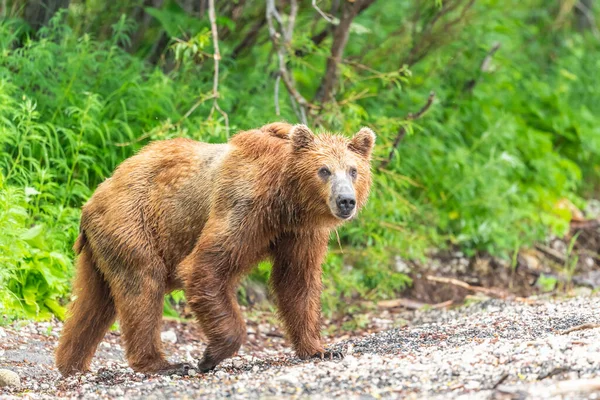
363 142
302 137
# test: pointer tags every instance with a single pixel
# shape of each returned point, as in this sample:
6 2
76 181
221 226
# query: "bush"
484 170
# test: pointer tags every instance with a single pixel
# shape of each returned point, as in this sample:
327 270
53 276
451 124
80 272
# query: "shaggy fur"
197 216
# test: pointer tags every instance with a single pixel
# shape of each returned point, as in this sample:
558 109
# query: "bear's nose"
346 203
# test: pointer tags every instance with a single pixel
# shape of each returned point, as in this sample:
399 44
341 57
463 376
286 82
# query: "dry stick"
277 81
550 252
589 16
485 66
465 285
579 328
283 73
478 289
217 56
325 16
402 130
487 61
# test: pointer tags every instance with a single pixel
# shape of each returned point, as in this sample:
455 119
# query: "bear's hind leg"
139 301
89 317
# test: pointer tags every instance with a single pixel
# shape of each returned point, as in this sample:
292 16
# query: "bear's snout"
345 204
343 197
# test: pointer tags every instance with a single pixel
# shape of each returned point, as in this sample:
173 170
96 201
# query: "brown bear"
198 216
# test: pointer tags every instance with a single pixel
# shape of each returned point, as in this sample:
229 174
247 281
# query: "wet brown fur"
185 214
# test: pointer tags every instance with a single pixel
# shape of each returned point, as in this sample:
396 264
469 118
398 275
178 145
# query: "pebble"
168 336
9 379
441 354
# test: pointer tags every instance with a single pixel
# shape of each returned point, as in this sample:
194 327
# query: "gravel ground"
491 349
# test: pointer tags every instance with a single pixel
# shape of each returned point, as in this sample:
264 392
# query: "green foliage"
34 254
483 170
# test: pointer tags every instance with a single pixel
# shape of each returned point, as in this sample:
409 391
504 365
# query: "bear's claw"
330 354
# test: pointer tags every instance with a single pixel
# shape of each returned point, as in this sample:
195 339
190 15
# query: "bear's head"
334 172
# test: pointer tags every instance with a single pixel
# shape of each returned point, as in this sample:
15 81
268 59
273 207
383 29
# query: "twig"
500 380
551 253
587 13
487 61
490 292
579 328
402 131
217 57
465 285
325 16
587 224
406 303
277 81
485 66
430 38
552 372
289 31
283 74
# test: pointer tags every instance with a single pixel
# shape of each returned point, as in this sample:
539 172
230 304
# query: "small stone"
220 374
9 379
168 336
289 378
471 385
192 372
255 369
2 333
238 364
350 361
44 386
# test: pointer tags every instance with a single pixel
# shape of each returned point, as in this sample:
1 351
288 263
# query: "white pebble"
168 336
9 379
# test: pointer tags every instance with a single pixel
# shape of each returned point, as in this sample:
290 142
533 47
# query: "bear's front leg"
210 277
296 280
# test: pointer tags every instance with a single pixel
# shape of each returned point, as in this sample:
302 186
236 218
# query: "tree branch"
402 129
249 38
485 66
280 48
217 57
340 39
325 16
430 38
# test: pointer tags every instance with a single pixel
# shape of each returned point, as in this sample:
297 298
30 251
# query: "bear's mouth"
344 216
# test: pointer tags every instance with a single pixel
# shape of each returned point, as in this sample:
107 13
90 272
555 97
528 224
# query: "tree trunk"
340 37
584 14
143 19
38 12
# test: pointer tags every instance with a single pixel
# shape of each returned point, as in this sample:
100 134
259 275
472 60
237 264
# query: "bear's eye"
353 172
324 172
